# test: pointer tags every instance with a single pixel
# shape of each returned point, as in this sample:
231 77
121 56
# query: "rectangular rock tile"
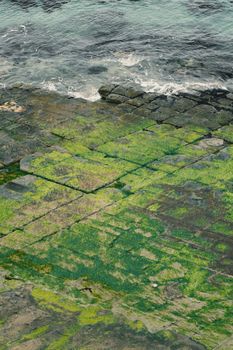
77 172
97 110
142 147
45 119
69 129
24 132
226 133
10 173
188 133
61 217
183 104
183 216
97 133
221 227
223 102
15 147
203 116
187 154
139 179
28 198
77 149
211 170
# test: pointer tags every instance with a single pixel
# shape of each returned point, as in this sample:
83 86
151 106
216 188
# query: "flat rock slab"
76 172
151 144
27 198
116 220
92 134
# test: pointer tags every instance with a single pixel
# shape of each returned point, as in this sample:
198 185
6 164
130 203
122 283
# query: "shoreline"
213 89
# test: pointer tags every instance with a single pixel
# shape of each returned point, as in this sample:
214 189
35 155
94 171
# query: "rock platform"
116 220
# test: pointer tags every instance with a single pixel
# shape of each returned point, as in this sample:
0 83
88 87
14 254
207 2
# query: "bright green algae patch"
94 134
120 236
226 133
77 172
28 198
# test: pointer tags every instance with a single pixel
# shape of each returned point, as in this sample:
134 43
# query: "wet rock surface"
116 220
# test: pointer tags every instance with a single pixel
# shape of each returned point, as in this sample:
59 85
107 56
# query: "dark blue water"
75 46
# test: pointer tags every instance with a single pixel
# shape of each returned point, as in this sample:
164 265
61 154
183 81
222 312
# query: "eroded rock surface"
116 220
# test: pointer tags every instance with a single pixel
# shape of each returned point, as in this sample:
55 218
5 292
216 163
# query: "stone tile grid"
151 245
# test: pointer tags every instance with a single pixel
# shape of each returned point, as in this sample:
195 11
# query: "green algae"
226 133
56 301
141 147
93 315
196 279
6 210
28 198
60 343
94 134
10 173
36 333
136 325
76 172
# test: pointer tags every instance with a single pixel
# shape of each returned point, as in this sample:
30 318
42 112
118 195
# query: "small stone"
11 106
212 142
154 285
127 188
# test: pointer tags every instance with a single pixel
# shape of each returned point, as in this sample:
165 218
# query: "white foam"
90 94
169 88
49 85
127 59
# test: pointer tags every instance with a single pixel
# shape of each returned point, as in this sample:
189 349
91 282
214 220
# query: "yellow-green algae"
36 333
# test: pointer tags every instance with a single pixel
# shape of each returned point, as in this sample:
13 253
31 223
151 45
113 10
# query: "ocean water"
75 46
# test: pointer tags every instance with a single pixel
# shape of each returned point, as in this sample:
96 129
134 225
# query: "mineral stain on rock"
116 220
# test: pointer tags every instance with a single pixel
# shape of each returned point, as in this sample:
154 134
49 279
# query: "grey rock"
163 113
203 110
128 92
137 102
105 90
183 104
115 98
152 105
150 96
230 96
224 117
164 101
144 112
225 103
126 107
